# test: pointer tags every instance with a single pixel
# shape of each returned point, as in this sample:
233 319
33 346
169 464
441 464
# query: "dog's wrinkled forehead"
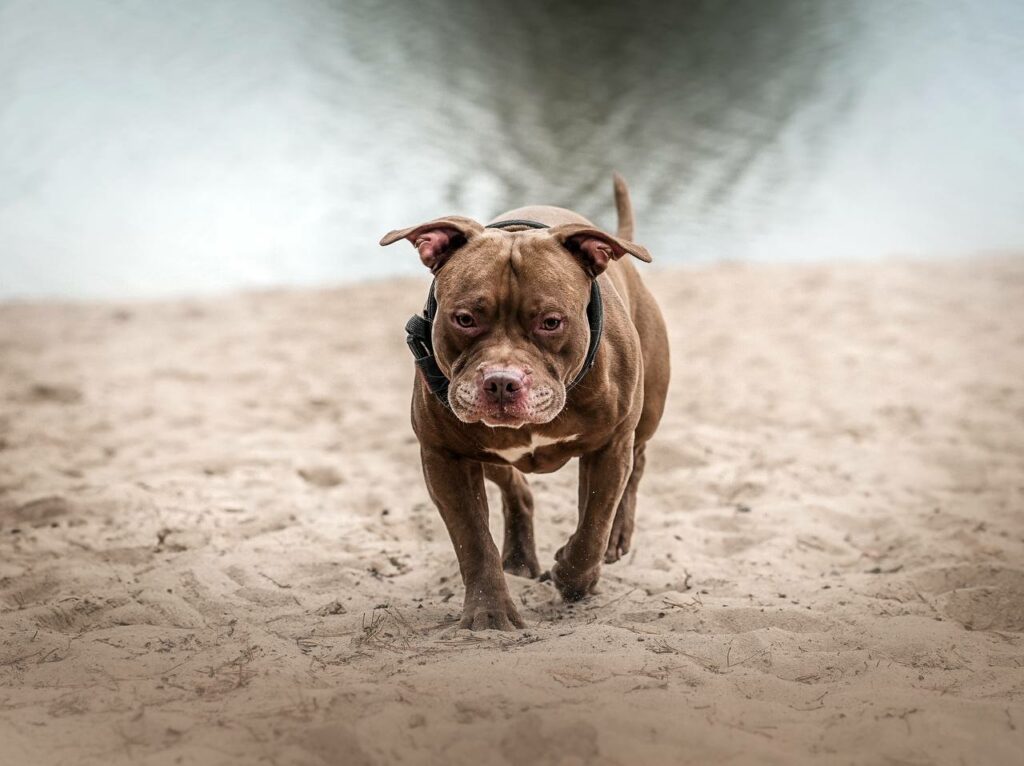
515 267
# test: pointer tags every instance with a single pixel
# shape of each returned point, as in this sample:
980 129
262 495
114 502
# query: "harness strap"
509 223
418 332
420 327
595 317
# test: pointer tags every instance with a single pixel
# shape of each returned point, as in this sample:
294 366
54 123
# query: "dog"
539 343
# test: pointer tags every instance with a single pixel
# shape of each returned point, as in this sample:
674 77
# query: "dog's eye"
464 319
550 324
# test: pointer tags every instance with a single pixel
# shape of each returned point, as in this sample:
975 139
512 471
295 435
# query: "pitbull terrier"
538 345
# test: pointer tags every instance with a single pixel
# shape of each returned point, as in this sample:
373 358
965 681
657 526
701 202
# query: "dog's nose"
502 386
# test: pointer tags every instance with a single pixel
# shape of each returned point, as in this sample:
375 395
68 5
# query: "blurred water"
153 147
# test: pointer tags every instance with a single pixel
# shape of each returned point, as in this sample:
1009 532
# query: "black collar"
419 329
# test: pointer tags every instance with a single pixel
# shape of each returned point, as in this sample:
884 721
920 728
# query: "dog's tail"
623 207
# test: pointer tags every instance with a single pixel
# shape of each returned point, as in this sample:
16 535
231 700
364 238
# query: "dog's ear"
437 240
596 248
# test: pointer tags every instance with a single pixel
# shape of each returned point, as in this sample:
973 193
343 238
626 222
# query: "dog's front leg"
456 486
603 476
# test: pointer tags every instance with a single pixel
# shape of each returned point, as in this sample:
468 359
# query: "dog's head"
511 328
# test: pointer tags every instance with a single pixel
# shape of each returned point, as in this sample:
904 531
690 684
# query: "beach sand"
216 546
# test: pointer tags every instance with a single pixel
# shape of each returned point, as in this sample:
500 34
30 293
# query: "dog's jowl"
539 343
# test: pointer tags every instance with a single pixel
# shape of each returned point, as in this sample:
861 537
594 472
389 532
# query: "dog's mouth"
542 406
498 416
504 418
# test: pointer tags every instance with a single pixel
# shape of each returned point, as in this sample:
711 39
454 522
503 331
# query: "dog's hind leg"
519 551
625 515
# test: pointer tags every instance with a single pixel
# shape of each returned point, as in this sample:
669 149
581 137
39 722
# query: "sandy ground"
216 547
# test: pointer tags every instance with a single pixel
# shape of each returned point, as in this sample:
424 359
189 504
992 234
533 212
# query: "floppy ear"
596 248
437 240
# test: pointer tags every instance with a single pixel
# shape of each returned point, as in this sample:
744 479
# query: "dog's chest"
516 453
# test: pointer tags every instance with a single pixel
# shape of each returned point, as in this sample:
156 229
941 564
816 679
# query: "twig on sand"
756 655
22 658
693 606
464 641
615 600
815 704
373 633
663 647
42 659
515 643
275 582
903 715
750 731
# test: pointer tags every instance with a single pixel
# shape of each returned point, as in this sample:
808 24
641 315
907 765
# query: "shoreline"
658 267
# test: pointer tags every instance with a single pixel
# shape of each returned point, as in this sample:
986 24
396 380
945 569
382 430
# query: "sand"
216 546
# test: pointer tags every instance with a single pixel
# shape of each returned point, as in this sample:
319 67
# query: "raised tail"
623 207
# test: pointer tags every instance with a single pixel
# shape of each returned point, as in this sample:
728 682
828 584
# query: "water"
151 148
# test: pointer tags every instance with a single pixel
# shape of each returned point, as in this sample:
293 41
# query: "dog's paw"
620 539
522 565
618 546
491 614
572 584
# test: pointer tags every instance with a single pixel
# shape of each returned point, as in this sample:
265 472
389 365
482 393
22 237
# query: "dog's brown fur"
505 280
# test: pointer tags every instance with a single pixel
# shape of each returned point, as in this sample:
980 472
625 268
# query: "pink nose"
502 386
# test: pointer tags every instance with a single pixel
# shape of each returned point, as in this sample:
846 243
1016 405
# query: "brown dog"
538 345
